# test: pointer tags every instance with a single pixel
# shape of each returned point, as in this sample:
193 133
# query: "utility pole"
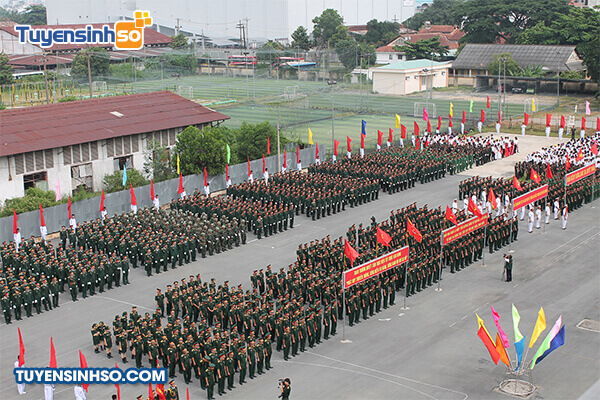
89 71
246 33
46 79
177 27
240 26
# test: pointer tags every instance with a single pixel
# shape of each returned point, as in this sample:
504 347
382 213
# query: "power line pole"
177 27
89 71
246 32
46 79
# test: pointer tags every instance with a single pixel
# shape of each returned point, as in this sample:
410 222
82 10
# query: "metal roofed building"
474 59
404 77
78 143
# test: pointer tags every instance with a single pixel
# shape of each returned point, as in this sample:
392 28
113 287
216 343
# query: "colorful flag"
540 326
425 115
297 154
562 121
471 106
492 198
534 176
533 107
363 129
316 150
583 120
502 351
549 174
548 119
450 216
150 392
473 208
519 348
451 113
568 163
152 196
579 155
42 222
482 118
249 169
178 171
588 111
485 338
21 349
413 231
69 207
133 199
58 196
160 391
362 142
546 343
397 121
450 121
416 128
379 137
403 132
348 143
285 158
488 102
125 174
206 176
269 142
526 119
516 184
594 149
558 341
226 172
464 118
418 143
499 116
516 319
15 218
500 330
598 124
180 188
481 324
310 136
383 238
428 126
439 122
336 143
391 136
264 164
52 354
83 364
228 149
350 252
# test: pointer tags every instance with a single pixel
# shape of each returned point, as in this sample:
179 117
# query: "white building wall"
9 44
407 81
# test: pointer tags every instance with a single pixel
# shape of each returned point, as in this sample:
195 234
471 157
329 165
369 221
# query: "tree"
33 15
347 51
300 38
486 21
424 49
99 62
157 163
251 140
184 63
200 149
381 33
269 51
326 25
114 181
512 69
440 12
6 70
178 41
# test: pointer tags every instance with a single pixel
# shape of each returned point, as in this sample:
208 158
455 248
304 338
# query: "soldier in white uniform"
538 217
17 239
556 208
48 391
455 206
20 386
156 202
565 217
266 175
483 195
73 223
547 212
530 220
79 393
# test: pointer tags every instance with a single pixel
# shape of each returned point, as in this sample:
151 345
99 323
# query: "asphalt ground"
429 351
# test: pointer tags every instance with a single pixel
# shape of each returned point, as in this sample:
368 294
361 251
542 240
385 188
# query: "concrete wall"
9 44
119 202
406 82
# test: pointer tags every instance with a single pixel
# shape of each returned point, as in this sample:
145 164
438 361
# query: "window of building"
122 162
38 180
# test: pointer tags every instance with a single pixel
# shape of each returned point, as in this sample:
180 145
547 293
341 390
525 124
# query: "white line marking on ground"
122 301
454 323
464 317
564 244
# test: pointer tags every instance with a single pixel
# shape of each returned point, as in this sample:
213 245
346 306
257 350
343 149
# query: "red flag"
152 196
103 197
362 142
69 207
83 364
488 102
205 178
450 122
413 231
450 216
316 150
383 237
506 152
439 122
493 200
336 143
297 154
568 163
284 158
598 124
416 128
21 349
429 126
482 116
150 392
52 355
268 145
579 155
562 121
402 131
188 393
180 189
549 174
583 123
464 118
391 136
534 176
594 149
485 338
499 116
350 252
474 209
119 388
516 184
418 143
42 222
264 165
15 226
548 119
133 199
160 391
379 137
226 172
249 169
348 141
526 119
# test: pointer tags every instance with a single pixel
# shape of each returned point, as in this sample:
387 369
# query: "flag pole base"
483 265
438 289
517 387
405 308
345 341
511 251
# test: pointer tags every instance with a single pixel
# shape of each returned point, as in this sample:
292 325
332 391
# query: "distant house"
405 77
474 59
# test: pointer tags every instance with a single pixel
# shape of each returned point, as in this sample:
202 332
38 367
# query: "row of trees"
33 15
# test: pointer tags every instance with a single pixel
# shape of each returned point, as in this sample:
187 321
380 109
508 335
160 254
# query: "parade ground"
428 351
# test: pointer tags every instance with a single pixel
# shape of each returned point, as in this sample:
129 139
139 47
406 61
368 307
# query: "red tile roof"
424 36
438 29
64 124
37 60
387 49
151 37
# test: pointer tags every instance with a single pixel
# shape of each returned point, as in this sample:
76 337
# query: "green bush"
114 182
30 202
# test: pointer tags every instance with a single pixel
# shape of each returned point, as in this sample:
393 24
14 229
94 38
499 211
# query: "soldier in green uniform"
230 370
210 381
186 362
172 393
242 362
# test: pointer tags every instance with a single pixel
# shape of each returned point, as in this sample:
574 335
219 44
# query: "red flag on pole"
583 123
180 189
52 354
402 131
516 184
21 349
316 150
264 165
150 392
482 116
160 391
499 116
205 178
579 155
152 196
429 126
133 199
391 136
188 393
562 121
336 143
549 174
362 141
383 238
348 141
413 231
297 154
249 169
418 143
473 208
464 118
119 388
83 364
594 149
42 222
69 207
15 225
350 252
598 124
493 200
416 128
526 119
102 198
379 137
268 145
450 122
226 172
285 159
548 119
488 102
485 338
568 163
534 176
439 127
450 216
